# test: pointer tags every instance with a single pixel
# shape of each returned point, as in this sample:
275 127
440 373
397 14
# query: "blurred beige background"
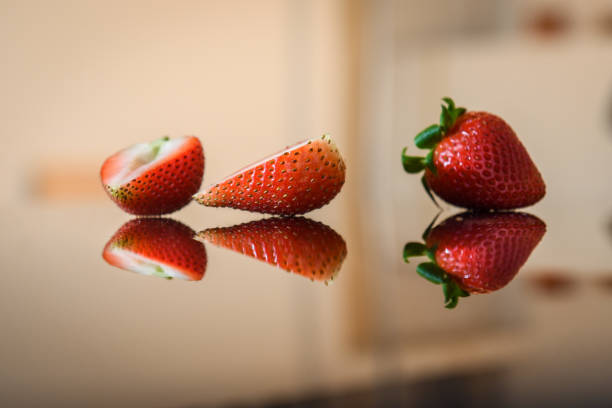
81 79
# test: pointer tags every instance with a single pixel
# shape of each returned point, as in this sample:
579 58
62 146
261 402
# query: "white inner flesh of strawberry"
144 266
139 158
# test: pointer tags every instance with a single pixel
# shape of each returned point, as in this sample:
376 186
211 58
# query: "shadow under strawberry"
476 252
159 247
295 244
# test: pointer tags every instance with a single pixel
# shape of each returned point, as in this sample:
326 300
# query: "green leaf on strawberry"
428 191
412 164
476 161
429 138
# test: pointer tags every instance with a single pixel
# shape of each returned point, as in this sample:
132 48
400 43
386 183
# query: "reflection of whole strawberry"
477 253
299 245
159 247
476 161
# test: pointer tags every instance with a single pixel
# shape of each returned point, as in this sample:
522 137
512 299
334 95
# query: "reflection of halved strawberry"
477 253
154 178
298 245
159 247
296 180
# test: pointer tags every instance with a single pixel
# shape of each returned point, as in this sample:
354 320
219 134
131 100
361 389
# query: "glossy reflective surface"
248 333
84 79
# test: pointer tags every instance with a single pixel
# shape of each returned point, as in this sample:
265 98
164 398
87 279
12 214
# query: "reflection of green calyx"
159 272
123 242
431 272
429 138
413 249
452 293
434 273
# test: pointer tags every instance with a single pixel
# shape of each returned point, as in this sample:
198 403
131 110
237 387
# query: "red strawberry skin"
484 252
481 164
297 180
298 245
163 188
161 241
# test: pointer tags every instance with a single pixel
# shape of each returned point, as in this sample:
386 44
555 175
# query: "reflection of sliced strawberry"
477 253
154 178
296 180
159 247
298 245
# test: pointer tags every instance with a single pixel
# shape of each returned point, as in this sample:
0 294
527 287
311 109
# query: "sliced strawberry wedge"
159 247
299 179
154 178
298 245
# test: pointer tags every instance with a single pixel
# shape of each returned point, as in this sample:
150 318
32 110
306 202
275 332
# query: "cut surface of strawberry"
154 178
158 247
475 161
296 180
295 244
476 252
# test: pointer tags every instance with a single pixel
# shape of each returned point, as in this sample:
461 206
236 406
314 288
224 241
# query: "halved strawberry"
476 252
298 245
159 247
475 161
293 181
154 178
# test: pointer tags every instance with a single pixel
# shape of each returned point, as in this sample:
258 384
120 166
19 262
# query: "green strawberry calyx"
432 271
428 139
435 274
157 144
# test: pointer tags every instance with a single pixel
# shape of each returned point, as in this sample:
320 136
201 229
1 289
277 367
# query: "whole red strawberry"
476 161
298 245
159 247
477 253
296 180
154 178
